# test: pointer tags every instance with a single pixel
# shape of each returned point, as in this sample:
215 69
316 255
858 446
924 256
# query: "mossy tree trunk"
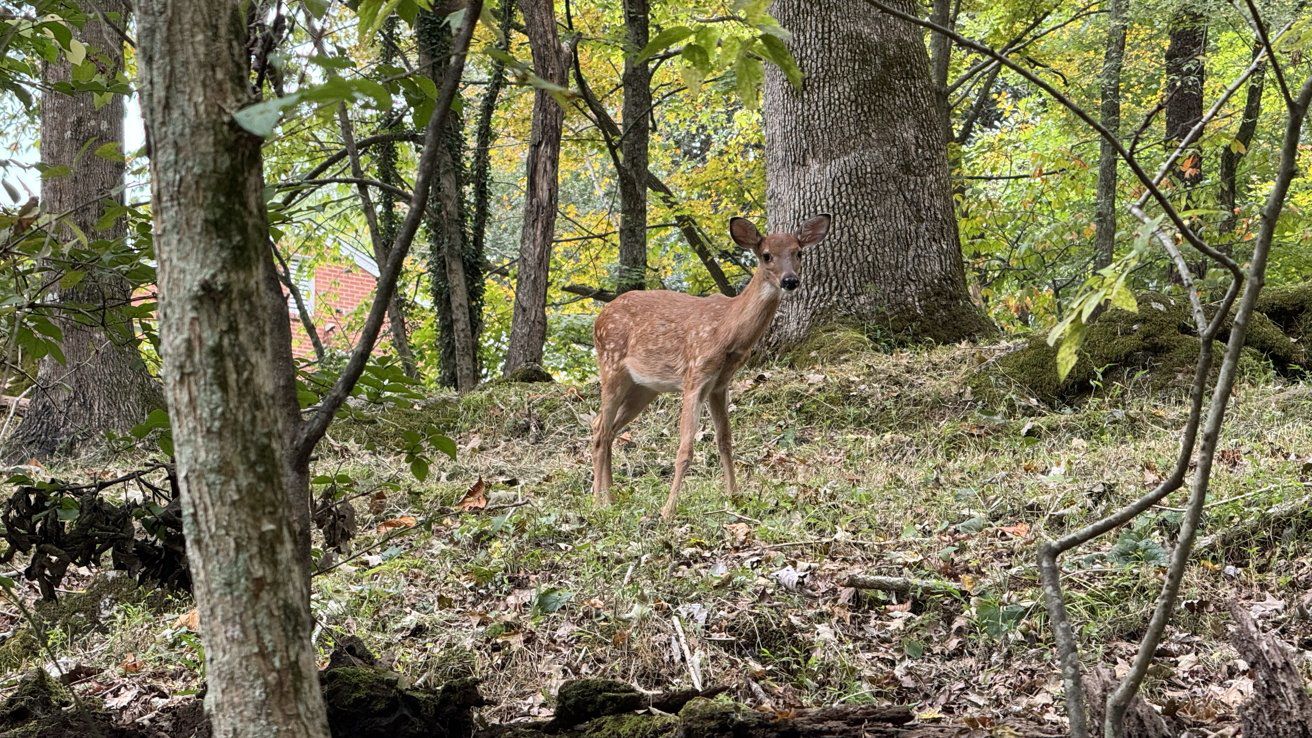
455 269
528 327
863 140
226 356
1104 239
102 385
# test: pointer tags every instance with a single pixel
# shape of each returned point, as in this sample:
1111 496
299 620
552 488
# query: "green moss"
43 708
829 345
1156 343
365 701
581 700
528 374
630 726
1290 308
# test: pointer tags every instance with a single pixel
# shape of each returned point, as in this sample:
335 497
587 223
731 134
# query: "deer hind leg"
613 392
719 404
688 416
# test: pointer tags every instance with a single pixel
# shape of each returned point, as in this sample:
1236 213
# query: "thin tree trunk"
102 385
1232 155
456 276
388 220
528 328
1104 239
1184 89
863 140
633 151
225 342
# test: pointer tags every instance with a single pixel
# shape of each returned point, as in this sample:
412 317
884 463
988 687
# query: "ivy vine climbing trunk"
455 269
226 359
1104 239
863 140
528 327
102 384
634 141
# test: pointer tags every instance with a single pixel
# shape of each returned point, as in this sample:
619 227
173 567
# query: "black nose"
790 283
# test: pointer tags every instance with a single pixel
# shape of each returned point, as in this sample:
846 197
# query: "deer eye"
766 258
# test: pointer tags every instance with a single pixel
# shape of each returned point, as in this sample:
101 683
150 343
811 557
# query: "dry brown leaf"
1019 530
189 620
405 521
475 498
739 534
377 502
130 664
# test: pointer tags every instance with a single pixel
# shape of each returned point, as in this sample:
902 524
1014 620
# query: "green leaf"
444 444
775 50
419 468
664 40
750 74
550 600
262 118
109 151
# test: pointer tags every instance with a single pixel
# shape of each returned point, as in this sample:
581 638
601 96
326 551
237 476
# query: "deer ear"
814 230
744 233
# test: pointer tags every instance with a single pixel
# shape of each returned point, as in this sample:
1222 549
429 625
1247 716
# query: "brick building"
336 291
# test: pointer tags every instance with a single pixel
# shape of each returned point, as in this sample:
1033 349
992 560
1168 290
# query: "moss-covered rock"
1156 344
1290 308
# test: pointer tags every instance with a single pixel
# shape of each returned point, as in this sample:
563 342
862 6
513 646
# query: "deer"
654 341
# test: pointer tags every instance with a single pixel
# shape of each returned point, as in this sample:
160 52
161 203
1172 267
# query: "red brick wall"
339 291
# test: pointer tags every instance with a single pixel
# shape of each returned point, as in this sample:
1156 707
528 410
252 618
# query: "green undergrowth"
891 464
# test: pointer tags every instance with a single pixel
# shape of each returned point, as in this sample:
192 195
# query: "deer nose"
790 283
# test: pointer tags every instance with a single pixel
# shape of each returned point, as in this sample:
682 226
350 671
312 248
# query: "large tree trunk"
528 327
863 141
1104 239
102 385
227 374
454 268
633 151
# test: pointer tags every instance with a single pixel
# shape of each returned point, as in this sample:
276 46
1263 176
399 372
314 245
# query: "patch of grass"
880 463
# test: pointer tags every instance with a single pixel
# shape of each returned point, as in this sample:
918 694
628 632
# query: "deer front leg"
603 436
719 404
687 432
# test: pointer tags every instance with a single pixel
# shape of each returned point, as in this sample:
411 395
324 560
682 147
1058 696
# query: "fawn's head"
777 253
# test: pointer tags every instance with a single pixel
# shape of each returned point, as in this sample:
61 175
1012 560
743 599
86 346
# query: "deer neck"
752 311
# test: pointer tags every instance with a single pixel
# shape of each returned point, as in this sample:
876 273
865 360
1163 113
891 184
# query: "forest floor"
876 464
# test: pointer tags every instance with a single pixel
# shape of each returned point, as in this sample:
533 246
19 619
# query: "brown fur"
650 342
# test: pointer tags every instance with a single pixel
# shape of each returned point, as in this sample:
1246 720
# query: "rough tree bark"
528 327
227 383
1184 89
633 150
454 269
863 140
1104 239
102 385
